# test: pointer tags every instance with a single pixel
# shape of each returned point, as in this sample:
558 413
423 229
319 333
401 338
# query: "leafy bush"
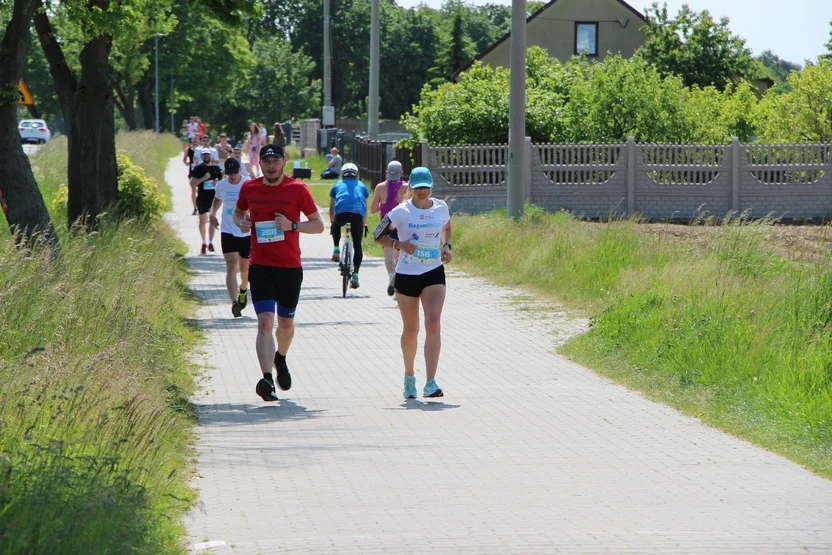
598 102
805 113
138 194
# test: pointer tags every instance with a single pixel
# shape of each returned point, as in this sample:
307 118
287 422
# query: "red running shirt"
269 246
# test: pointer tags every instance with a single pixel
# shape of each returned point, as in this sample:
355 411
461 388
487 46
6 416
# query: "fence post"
529 177
425 161
631 176
735 174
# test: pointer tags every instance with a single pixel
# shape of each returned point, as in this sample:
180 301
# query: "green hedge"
585 101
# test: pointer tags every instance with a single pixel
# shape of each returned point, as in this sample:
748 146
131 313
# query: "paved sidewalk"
527 453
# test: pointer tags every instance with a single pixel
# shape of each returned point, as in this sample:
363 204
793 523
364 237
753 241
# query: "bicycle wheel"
346 273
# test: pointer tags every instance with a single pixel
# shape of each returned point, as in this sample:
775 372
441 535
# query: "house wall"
554 30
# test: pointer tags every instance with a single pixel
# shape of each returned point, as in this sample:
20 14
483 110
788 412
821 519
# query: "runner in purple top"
386 196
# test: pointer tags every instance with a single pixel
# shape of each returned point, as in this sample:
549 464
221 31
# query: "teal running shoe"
410 387
432 390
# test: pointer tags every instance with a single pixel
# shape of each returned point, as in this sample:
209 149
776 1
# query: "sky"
795 30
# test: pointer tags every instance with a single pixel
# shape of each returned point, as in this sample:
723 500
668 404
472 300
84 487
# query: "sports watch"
294 226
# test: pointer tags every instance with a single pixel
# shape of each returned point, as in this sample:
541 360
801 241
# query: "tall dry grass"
94 384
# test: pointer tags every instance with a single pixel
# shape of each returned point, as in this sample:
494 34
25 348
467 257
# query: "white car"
34 131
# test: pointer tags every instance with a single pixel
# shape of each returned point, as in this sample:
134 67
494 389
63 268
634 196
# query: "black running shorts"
231 243
412 286
204 200
271 285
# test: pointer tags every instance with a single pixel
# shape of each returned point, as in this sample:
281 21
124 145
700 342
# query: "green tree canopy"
805 113
828 46
418 45
777 69
583 102
280 86
695 47
457 50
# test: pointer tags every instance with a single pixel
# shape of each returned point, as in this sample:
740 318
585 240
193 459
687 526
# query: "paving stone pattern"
527 453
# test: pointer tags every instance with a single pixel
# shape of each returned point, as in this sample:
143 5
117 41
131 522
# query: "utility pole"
372 105
156 56
172 110
328 109
517 162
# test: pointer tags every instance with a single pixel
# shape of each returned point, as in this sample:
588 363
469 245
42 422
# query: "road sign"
25 96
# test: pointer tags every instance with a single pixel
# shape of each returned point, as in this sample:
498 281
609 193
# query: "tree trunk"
126 105
93 179
19 195
164 115
34 112
146 104
129 115
87 106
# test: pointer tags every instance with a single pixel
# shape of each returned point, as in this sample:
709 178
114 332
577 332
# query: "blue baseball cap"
420 177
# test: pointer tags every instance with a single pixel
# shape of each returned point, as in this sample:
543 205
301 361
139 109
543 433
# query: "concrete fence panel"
470 178
588 180
789 181
668 182
682 182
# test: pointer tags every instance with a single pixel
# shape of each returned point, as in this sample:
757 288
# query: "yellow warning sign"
25 96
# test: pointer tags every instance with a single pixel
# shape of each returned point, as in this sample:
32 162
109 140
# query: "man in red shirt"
270 208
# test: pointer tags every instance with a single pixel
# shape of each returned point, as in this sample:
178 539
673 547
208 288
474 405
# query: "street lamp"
156 38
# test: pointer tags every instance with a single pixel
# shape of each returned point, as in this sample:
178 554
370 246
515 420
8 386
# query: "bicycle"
345 261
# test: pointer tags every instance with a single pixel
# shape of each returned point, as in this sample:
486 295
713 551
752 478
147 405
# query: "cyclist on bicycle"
349 205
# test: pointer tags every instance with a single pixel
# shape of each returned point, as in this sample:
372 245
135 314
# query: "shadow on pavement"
427 406
334 295
229 414
344 323
223 323
211 292
324 263
215 258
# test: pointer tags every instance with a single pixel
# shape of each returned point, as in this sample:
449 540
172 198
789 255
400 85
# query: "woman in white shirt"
423 225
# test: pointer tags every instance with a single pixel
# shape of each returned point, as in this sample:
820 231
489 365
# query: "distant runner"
204 177
235 243
387 195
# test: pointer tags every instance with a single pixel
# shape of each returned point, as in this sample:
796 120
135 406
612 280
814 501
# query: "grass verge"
726 329
94 384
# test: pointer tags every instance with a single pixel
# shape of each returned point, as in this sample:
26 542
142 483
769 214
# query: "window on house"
586 38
